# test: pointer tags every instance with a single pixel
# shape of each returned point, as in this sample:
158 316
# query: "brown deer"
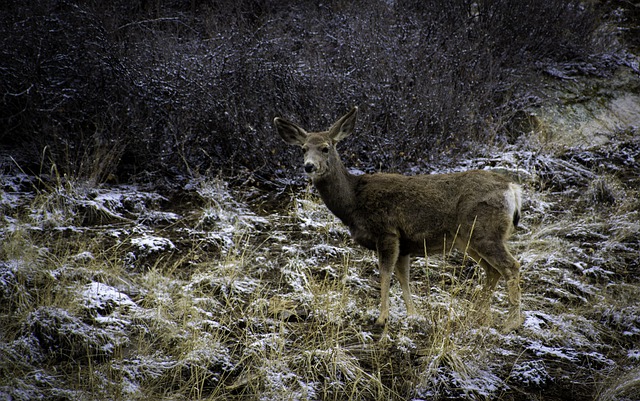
398 216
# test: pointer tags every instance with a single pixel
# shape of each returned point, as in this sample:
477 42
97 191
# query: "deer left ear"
344 126
290 132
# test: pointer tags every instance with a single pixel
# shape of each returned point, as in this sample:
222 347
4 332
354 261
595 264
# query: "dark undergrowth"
128 90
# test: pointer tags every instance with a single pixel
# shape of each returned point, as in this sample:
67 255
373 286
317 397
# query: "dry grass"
221 303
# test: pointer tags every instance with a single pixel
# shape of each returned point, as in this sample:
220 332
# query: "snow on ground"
119 292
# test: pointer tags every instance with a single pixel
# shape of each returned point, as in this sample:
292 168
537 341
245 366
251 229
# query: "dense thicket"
128 87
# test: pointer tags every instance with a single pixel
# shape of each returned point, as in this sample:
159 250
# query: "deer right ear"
344 126
290 132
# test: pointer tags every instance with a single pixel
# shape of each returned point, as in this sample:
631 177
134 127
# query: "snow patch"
102 297
539 349
530 373
150 244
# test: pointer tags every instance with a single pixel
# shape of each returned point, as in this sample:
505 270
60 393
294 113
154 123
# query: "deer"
398 216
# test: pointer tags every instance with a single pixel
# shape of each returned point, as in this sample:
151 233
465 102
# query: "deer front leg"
388 250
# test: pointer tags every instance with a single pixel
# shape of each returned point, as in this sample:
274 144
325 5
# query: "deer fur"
398 216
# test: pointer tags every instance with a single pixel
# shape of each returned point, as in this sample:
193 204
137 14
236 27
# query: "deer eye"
325 149
304 149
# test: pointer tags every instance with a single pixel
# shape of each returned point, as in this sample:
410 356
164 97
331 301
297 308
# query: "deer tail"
515 202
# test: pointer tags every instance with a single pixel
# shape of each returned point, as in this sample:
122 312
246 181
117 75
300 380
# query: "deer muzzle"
310 168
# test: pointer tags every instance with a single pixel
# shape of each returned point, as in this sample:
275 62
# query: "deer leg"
483 302
388 250
492 276
403 269
497 255
491 280
515 319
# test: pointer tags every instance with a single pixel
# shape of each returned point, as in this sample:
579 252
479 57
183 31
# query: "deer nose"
310 168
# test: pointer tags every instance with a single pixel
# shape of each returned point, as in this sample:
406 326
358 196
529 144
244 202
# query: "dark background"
137 90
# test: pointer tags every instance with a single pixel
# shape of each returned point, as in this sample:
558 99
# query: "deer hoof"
514 321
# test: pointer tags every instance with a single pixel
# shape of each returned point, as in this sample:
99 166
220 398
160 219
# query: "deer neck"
336 189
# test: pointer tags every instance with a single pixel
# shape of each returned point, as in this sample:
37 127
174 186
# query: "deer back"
426 210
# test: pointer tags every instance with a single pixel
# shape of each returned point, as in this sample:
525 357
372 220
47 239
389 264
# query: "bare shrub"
122 88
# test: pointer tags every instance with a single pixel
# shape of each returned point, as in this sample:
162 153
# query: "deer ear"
290 132
344 126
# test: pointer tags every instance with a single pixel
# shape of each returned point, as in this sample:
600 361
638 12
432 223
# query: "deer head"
320 154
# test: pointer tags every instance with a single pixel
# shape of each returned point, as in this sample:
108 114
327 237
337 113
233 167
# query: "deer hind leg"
492 276
491 280
403 271
498 257
388 251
